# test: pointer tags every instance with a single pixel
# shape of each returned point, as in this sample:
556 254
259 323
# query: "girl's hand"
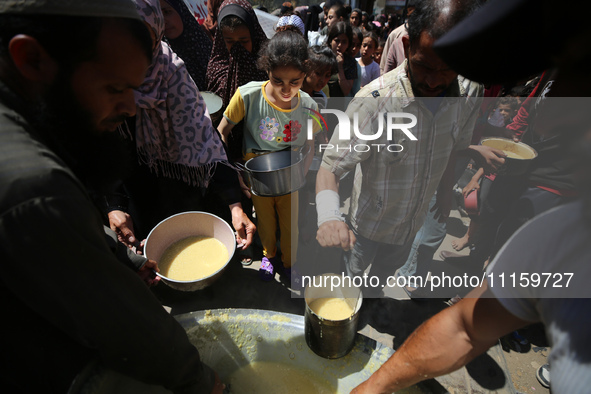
340 59
471 186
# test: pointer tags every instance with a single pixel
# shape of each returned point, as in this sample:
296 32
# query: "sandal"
266 272
543 375
245 261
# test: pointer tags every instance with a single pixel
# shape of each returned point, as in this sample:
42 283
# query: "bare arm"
326 180
473 184
224 129
332 233
444 343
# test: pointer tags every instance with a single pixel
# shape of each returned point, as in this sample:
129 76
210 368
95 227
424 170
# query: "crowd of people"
106 134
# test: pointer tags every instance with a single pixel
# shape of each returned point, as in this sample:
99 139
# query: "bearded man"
67 74
394 184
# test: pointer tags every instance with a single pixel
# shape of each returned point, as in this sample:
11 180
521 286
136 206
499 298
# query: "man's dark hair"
429 16
69 40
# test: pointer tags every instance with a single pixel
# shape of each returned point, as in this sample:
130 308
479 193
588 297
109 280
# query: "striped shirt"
392 190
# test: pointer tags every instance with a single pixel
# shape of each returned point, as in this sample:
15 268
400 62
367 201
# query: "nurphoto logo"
393 121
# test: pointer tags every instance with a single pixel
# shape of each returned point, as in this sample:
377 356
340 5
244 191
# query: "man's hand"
244 228
122 224
148 273
337 234
490 159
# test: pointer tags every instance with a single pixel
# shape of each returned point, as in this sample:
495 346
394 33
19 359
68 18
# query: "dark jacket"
66 298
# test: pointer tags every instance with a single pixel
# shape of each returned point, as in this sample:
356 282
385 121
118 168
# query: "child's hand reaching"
471 186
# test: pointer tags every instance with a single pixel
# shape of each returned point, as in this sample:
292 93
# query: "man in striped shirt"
396 175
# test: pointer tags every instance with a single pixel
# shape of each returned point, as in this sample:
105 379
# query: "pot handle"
305 151
241 167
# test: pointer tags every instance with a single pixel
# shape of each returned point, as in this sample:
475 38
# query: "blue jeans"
425 244
384 259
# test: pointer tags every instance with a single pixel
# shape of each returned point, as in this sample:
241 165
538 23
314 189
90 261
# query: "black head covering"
193 45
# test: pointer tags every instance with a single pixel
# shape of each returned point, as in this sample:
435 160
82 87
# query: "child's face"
355 45
332 18
340 43
173 24
317 79
377 55
367 48
240 35
506 111
285 83
355 19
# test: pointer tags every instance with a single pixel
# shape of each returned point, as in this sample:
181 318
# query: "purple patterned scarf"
174 135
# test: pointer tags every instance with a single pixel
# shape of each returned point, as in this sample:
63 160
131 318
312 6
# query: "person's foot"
543 375
245 261
461 243
267 271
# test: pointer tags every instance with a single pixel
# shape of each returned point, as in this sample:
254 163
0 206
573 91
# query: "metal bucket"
275 174
331 338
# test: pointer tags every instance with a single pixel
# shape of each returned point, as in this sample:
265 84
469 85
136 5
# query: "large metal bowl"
230 339
185 225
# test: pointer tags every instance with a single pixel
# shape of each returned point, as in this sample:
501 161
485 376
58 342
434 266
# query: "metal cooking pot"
331 338
277 173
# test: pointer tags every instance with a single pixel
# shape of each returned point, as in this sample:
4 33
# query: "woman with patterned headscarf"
238 38
178 150
187 38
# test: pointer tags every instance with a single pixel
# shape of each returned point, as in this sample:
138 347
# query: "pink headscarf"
174 137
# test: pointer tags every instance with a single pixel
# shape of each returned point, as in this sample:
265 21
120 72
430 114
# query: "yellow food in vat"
193 258
332 308
270 377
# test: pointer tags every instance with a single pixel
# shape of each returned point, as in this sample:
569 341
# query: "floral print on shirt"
291 131
269 127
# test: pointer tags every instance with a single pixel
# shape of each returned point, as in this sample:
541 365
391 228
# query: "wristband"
328 206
